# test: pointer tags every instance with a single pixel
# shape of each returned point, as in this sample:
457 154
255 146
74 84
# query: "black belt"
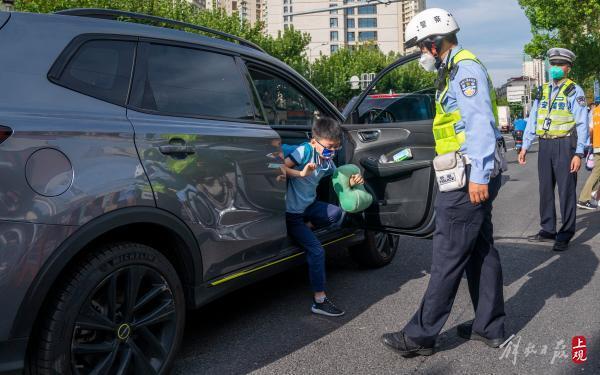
548 136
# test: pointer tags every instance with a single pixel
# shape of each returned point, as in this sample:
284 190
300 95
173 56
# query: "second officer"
559 118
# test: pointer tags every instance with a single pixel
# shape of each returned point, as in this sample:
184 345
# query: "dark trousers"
319 214
554 169
462 242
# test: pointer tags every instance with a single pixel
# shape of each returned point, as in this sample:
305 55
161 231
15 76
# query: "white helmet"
429 23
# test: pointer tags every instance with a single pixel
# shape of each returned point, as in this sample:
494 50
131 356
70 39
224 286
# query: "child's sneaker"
326 308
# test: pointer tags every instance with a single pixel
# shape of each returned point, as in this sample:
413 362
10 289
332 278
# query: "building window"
234 5
286 18
291 11
369 9
367 22
333 11
334 48
350 23
333 22
285 9
364 36
349 11
285 1
350 37
333 36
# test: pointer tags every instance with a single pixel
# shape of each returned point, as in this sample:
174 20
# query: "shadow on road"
262 323
549 275
265 322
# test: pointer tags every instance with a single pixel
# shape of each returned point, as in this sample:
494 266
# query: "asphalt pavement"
550 297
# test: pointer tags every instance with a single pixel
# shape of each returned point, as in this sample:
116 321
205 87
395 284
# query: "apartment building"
536 69
331 30
6 4
250 10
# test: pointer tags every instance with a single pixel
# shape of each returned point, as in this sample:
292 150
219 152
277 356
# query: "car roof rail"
114 14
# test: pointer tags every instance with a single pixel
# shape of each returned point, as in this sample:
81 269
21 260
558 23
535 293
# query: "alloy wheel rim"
126 326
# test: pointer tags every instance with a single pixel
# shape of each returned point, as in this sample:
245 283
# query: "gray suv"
140 177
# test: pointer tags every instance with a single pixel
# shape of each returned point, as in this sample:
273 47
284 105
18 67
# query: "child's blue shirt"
302 191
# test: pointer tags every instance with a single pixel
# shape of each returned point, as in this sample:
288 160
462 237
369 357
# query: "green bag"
355 199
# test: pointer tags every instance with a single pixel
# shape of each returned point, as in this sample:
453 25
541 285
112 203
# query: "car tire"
377 250
120 310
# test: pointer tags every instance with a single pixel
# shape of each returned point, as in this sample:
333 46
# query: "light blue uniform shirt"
302 191
576 104
469 92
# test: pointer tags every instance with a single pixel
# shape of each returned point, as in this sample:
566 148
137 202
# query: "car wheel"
377 250
121 311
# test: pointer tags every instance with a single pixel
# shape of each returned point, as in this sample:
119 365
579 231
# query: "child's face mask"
328 151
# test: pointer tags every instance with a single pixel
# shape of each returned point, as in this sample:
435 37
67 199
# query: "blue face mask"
556 72
327 152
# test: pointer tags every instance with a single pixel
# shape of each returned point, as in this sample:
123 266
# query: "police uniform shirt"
469 92
576 105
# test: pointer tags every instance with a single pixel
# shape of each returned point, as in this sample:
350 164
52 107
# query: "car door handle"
369 135
177 149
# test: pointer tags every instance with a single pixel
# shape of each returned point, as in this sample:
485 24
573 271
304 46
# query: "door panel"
219 175
382 122
403 197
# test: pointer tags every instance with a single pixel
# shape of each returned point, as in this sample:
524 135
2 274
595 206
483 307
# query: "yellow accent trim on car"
251 270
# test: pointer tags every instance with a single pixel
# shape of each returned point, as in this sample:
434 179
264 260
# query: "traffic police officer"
559 119
465 122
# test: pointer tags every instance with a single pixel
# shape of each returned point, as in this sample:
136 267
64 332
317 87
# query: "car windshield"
401 107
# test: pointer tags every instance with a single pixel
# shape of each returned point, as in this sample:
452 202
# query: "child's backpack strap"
288 149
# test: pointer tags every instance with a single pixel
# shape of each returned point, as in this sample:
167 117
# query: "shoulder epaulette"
453 71
570 90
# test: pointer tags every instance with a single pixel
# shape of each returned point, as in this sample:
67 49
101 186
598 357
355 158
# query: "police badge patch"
469 87
581 101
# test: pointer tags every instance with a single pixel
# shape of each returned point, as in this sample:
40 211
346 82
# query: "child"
304 212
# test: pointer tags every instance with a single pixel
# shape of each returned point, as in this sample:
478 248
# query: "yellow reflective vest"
562 119
444 131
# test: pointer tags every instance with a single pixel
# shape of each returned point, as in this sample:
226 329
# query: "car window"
397 97
282 102
186 82
100 68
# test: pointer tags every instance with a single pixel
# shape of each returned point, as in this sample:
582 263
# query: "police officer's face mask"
427 62
557 72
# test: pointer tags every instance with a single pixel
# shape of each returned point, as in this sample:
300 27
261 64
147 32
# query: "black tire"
377 250
93 325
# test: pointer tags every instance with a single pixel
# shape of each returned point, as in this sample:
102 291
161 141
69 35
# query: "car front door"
209 153
384 122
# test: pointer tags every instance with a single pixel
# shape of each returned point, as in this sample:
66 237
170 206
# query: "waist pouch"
500 164
450 171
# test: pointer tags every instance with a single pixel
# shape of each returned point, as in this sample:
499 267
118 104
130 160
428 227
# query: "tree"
331 74
288 46
572 24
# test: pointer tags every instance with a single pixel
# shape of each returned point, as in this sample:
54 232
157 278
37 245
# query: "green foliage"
289 46
331 74
516 110
502 101
572 24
